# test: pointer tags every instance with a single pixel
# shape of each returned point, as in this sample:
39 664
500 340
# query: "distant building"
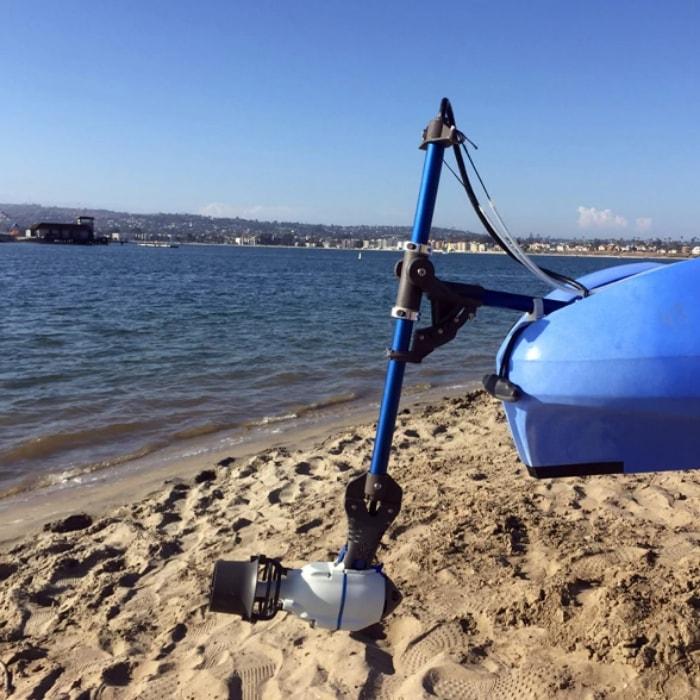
81 232
11 235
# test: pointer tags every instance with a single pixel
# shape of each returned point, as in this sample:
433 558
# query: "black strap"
448 117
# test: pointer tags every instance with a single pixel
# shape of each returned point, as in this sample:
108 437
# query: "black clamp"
371 503
408 295
441 133
450 309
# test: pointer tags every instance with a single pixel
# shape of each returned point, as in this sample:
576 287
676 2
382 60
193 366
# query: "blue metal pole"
519 302
403 327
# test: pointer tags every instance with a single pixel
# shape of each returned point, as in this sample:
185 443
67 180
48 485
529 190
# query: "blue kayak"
610 383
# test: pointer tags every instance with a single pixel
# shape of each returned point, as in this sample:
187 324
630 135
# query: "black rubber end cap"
392 597
233 587
501 388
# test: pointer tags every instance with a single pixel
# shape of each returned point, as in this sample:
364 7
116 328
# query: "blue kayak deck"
611 383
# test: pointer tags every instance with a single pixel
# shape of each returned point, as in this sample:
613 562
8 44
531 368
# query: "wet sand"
513 587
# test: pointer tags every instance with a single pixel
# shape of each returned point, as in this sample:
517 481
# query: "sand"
514 588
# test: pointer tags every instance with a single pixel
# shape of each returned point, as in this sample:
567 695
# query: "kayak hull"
610 383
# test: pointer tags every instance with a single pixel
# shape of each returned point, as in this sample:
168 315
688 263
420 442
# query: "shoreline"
193 438
182 459
548 254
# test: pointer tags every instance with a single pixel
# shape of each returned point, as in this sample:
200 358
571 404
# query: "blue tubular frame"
403 327
520 302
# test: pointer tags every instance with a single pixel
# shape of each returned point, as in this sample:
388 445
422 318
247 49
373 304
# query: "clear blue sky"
587 114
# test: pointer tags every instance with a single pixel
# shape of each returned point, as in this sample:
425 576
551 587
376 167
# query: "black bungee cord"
447 117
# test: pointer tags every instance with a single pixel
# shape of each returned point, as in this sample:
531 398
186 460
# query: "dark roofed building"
81 232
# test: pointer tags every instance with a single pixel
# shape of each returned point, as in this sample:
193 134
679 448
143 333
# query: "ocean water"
112 352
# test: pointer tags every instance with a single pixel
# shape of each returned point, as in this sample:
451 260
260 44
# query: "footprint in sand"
160 688
223 650
600 565
421 650
217 650
40 622
116 683
285 494
86 667
423 664
677 549
250 675
244 673
342 444
201 631
453 682
440 639
216 638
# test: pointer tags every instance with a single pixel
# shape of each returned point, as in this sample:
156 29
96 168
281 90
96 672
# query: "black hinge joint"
372 501
450 310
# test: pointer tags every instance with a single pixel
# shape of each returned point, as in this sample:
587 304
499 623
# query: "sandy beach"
513 587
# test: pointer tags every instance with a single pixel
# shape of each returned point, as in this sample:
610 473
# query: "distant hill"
205 229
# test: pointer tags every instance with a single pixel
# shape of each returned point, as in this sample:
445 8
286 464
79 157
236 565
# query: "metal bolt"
421 272
440 331
421 337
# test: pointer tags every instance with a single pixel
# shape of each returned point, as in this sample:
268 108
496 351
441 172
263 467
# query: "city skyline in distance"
200 228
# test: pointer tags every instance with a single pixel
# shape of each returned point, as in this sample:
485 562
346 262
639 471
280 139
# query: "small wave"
48 445
22 383
303 410
331 401
200 430
31 482
418 388
281 379
48 341
267 420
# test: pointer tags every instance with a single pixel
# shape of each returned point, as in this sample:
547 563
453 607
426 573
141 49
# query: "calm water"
114 351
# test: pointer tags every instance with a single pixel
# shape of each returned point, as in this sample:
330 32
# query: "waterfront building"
80 232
